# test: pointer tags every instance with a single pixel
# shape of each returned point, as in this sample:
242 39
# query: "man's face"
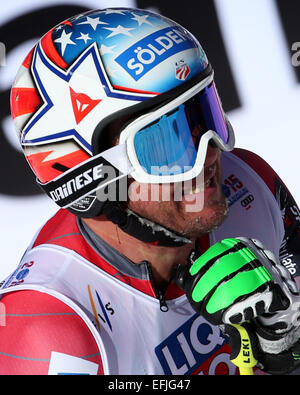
199 210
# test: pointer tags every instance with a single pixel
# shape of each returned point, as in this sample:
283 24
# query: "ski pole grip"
242 351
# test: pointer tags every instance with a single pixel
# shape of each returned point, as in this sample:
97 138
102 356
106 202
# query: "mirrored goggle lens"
170 144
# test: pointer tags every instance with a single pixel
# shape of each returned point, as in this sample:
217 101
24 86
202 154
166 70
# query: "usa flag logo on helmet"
182 70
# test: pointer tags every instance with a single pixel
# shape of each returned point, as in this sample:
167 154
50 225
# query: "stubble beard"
174 215
211 217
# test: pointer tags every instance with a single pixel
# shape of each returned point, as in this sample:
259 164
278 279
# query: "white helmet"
107 74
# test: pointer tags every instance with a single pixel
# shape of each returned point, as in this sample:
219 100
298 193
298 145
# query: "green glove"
238 280
231 283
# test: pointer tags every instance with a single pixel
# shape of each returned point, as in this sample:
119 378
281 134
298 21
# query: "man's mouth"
199 185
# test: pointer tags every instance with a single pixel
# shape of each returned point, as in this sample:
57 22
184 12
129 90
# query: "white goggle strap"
87 177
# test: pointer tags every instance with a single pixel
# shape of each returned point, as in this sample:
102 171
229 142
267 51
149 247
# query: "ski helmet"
85 82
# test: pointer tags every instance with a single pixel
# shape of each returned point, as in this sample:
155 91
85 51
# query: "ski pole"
242 354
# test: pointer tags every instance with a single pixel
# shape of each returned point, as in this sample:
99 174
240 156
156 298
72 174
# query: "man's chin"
176 217
203 212
206 221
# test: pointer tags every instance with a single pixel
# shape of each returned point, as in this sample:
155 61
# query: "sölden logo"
152 50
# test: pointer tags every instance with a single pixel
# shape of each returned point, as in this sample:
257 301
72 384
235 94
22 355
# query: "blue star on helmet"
84 37
141 19
119 30
114 11
93 22
74 100
111 28
64 40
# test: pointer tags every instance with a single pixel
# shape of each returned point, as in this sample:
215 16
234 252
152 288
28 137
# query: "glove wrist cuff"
273 343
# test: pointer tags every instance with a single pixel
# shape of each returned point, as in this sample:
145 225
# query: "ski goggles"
165 145
170 143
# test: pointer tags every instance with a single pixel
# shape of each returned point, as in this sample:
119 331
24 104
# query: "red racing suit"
75 305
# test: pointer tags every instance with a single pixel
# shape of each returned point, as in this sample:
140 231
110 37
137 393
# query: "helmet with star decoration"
83 82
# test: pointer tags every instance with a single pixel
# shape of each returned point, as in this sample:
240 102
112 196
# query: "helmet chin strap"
142 228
